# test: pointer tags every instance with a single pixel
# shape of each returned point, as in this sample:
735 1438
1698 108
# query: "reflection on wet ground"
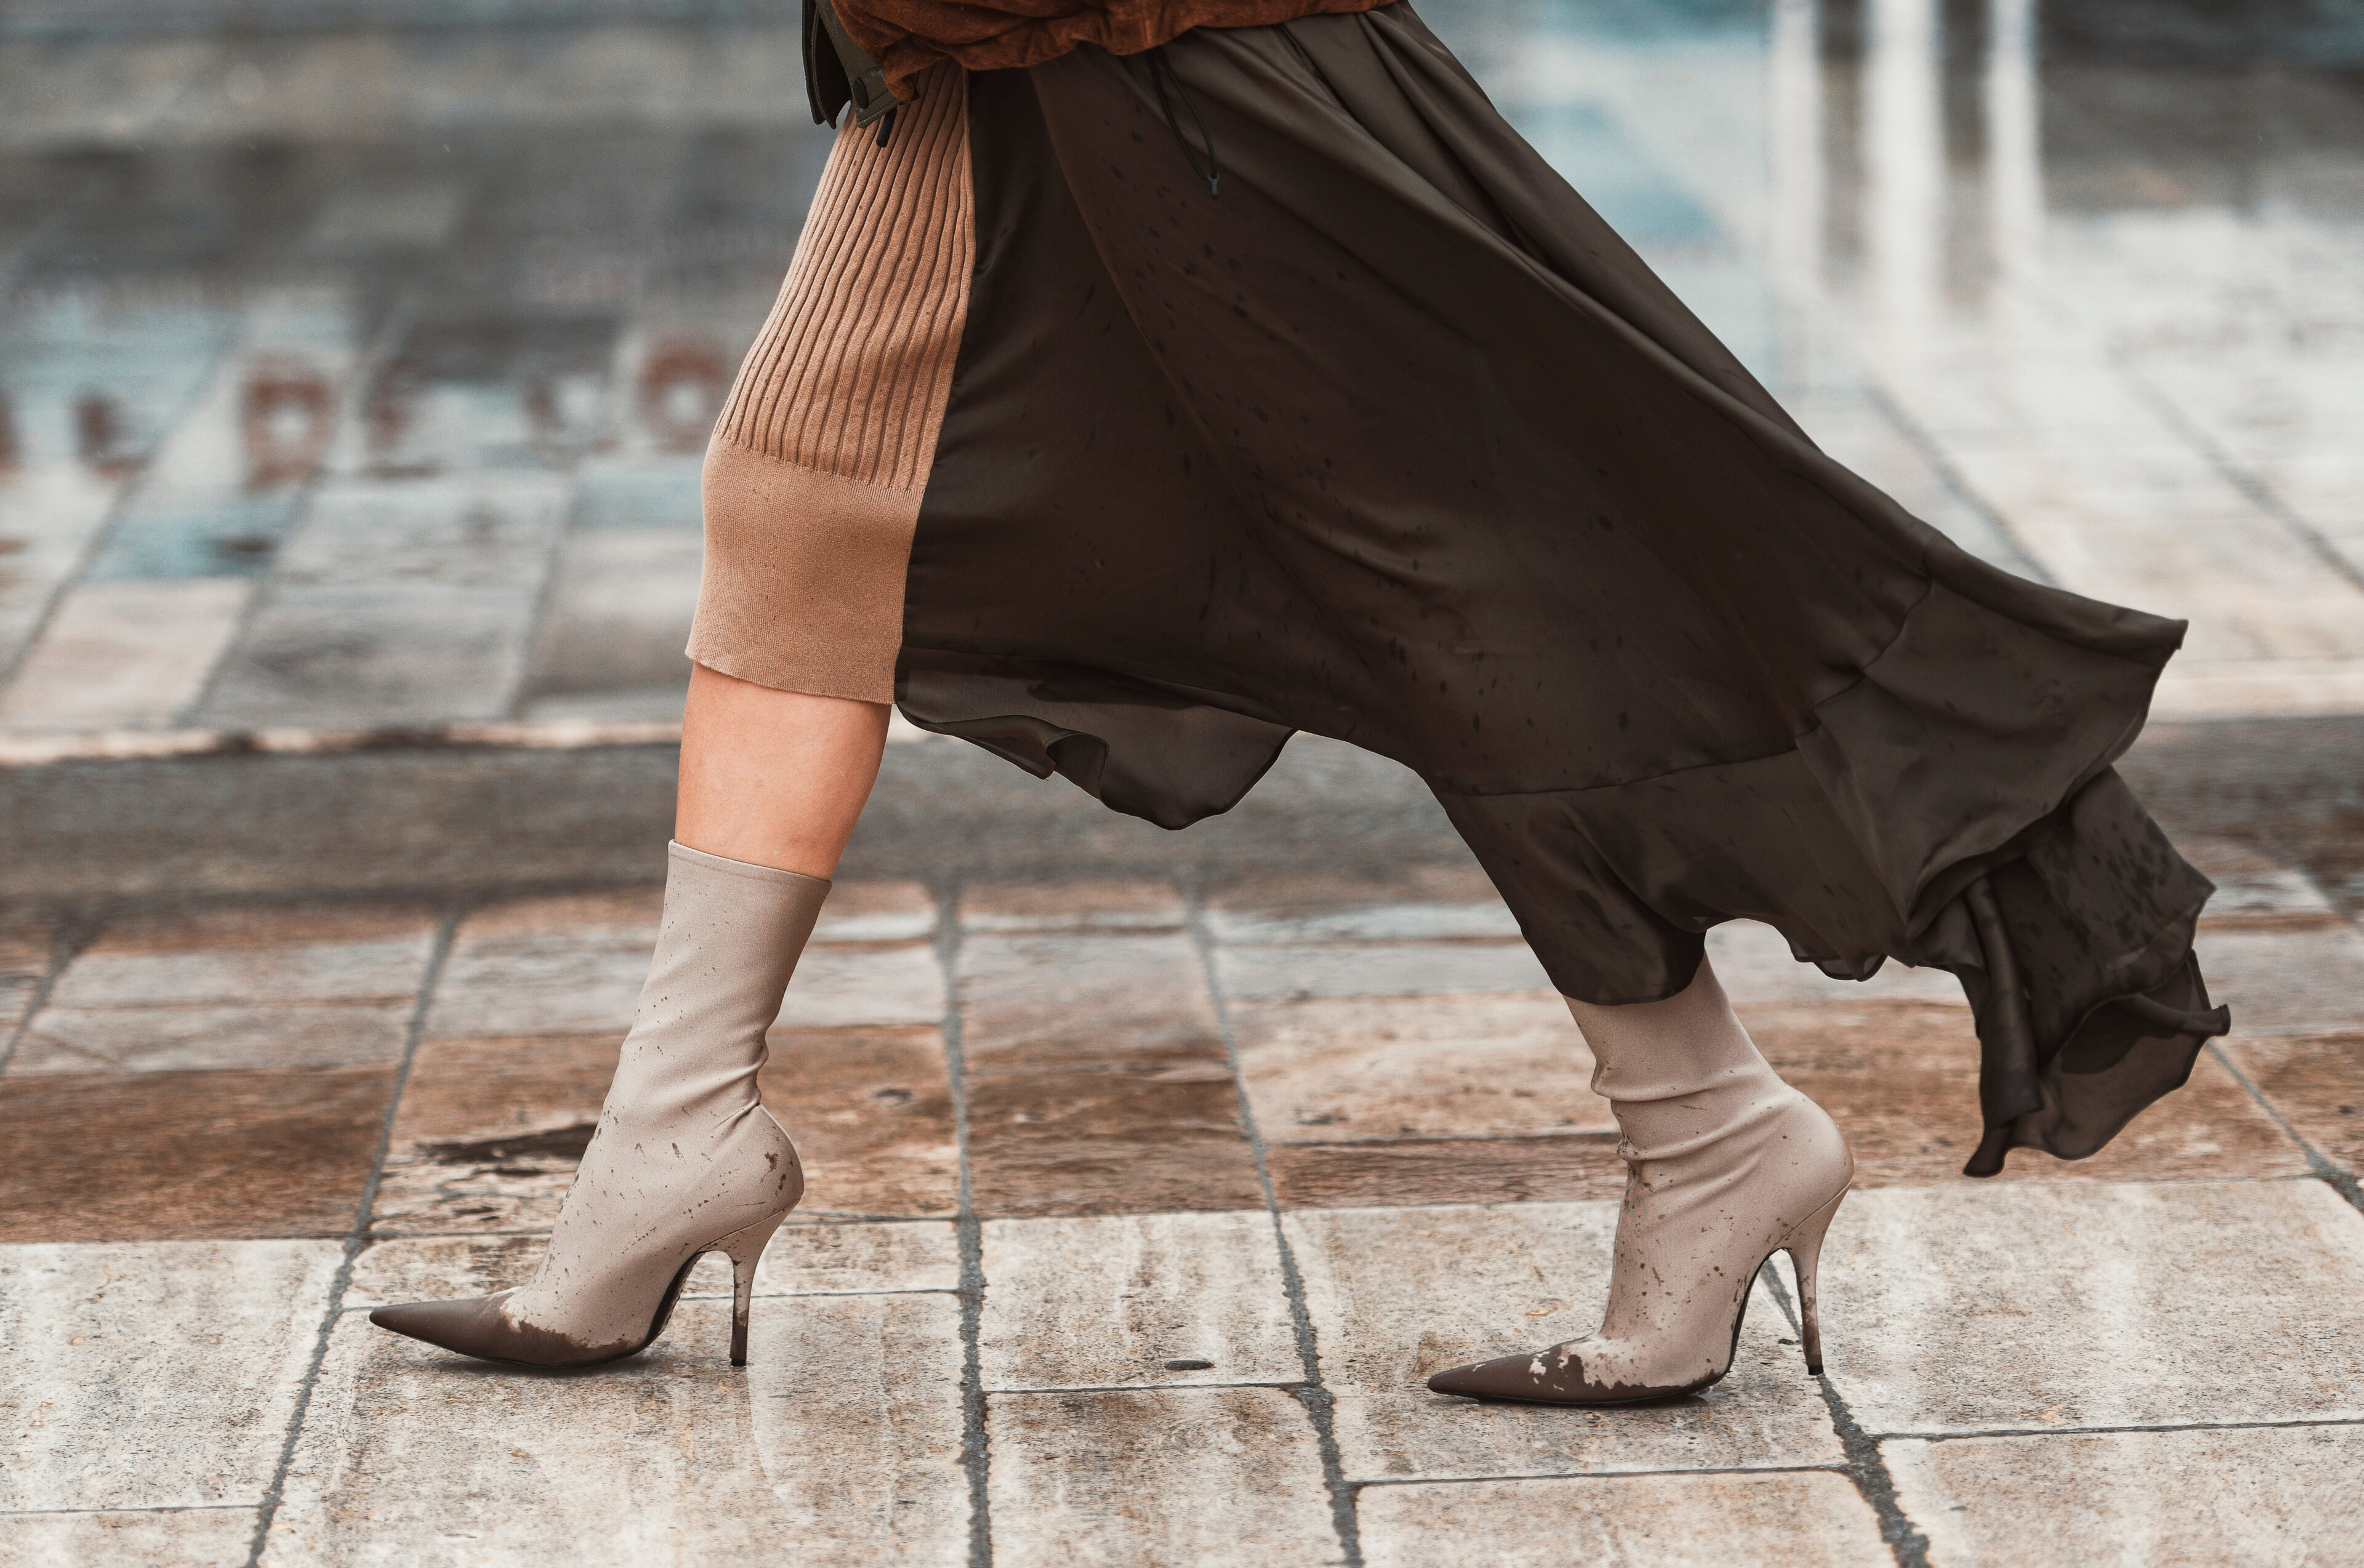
357 377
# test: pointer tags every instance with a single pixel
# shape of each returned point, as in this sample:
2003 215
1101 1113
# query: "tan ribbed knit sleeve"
822 453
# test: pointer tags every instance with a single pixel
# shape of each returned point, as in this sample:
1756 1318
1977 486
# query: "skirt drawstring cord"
1161 71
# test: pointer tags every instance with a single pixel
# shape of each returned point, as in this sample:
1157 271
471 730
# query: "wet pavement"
1137 1216
351 387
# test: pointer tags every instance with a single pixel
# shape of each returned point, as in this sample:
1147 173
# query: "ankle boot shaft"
1679 1074
727 947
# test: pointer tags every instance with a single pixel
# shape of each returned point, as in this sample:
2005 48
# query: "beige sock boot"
687 1160
1726 1165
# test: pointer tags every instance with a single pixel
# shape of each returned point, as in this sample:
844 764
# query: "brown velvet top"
906 36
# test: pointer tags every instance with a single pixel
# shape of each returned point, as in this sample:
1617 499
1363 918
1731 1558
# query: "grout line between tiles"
1141 1388
356 1238
1320 1404
762 1296
1601 1135
2320 1166
837 1218
1932 452
553 559
158 1508
1866 1466
65 944
2069 1431
976 1457
2262 495
1609 1474
127 491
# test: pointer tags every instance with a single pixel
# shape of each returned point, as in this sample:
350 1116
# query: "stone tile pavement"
1138 1213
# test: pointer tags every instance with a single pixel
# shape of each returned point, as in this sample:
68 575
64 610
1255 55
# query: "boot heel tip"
738 1361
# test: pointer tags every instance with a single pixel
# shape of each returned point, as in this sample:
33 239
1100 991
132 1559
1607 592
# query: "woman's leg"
685 1157
1726 1164
774 778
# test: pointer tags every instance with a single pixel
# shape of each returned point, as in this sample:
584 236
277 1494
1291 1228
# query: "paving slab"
1104 1141
225 1154
480 532
1998 1305
2317 1084
1158 1478
347 656
2303 981
490 1131
173 1537
2253 888
1086 1000
134 968
122 655
1399 1170
542 989
886 911
864 985
870 1113
838 1443
1134 1300
1291 972
1334 1069
1103 904
157 1375
1407 920
2184 1500
1395 1295
620 605
1643 1521
1396 901
168 1039
48 517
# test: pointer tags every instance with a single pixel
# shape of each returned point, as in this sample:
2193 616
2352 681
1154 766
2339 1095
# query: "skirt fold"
1395 442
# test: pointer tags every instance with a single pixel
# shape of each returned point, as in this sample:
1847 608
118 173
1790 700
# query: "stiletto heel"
1804 1246
745 1250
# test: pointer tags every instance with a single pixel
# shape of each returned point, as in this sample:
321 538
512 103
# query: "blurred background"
356 359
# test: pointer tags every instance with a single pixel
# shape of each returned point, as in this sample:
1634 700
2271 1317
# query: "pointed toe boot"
1725 1166
685 1161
